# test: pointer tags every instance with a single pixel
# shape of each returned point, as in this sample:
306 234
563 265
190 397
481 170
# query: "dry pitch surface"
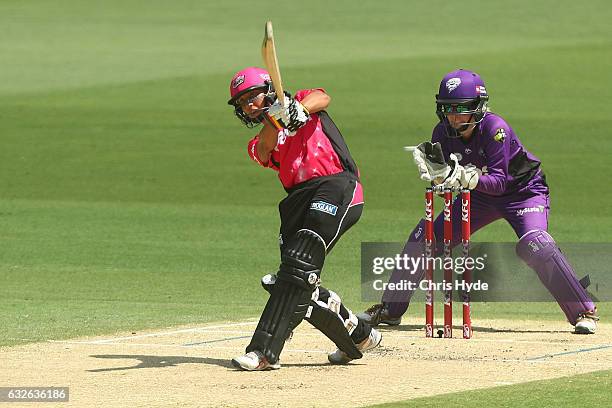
181 367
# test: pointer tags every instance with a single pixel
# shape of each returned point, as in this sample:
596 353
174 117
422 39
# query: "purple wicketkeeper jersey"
494 148
512 188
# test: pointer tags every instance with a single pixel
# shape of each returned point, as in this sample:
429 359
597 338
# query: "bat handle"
274 122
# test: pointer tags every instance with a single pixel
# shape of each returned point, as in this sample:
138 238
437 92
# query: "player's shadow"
173 361
158 361
475 329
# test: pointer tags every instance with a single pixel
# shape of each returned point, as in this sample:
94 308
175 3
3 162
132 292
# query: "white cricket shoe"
372 341
586 323
254 361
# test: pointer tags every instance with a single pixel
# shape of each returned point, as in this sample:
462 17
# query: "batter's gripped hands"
278 111
292 115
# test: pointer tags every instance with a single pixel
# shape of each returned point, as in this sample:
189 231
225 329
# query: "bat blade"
268 52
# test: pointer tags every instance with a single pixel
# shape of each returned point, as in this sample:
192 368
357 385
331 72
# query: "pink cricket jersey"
306 155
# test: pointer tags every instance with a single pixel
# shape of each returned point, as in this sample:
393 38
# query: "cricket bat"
268 52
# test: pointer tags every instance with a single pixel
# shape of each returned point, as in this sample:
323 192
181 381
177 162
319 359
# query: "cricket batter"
486 156
324 199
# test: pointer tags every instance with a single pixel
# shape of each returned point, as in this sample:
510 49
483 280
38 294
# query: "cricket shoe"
586 323
377 314
370 342
254 361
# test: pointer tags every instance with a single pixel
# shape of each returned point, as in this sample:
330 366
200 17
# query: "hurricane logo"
452 84
418 233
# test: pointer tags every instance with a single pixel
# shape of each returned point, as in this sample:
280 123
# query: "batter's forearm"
316 101
268 138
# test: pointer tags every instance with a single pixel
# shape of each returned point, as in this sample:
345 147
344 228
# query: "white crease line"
169 333
303 351
392 335
388 334
299 333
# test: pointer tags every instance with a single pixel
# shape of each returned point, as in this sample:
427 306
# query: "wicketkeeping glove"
429 159
292 117
430 162
461 176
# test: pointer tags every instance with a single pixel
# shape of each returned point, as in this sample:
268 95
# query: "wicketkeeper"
473 148
324 199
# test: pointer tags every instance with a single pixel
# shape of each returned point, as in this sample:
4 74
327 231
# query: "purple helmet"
461 92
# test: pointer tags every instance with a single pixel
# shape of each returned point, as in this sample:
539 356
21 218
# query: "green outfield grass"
127 200
575 391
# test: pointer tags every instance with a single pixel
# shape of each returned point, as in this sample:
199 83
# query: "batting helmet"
245 81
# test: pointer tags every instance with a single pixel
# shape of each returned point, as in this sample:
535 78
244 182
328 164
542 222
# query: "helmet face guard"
245 81
461 92
248 121
474 110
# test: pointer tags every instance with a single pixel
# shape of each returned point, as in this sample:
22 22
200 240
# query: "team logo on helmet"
481 90
452 84
265 77
239 80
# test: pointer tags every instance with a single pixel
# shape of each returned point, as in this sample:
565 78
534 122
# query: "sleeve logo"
500 135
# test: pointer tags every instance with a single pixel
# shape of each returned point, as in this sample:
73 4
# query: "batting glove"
278 111
292 116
